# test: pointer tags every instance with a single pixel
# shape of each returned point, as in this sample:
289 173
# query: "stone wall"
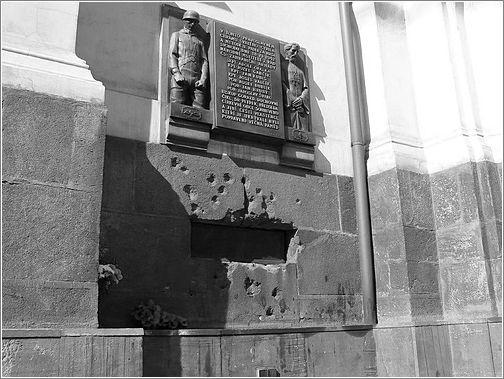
152 195
51 184
437 242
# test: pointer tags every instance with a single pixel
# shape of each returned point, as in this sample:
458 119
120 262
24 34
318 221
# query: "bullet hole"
272 196
194 207
258 190
187 188
227 177
274 292
175 162
269 311
252 287
243 180
184 169
211 180
298 202
221 189
215 199
283 306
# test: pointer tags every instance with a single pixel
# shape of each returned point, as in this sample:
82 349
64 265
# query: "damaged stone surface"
150 204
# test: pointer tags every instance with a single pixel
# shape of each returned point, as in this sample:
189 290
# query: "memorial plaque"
246 81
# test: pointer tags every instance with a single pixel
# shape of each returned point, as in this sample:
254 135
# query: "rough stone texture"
447 240
53 152
495 182
398 275
159 266
420 245
48 304
30 357
404 241
343 354
49 233
51 140
433 351
205 186
307 201
469 239
395 352
456 245
328 264
347 204
327 309
495 332
384 200
426 307
394 309
465 291
416 199
346 354
84 355
423 277
266 295
146 231
181 356
485 195
119 176
496 280
453 194
471 351
245 355
389 243
100 356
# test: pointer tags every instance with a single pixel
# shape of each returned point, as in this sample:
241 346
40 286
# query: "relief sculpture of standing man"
295 90
188 64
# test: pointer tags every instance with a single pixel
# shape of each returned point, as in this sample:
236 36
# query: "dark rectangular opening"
268 372
239 244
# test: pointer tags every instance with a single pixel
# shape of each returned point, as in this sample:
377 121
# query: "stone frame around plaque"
253 89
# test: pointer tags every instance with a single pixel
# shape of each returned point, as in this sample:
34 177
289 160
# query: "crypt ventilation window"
249 245
268 372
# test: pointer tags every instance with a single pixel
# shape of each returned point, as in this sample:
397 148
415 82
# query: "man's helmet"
191 15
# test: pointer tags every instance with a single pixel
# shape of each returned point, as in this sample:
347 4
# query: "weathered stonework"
404 241
52 175
441 232
152 195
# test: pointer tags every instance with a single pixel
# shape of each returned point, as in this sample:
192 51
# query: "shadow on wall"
317 119
145 231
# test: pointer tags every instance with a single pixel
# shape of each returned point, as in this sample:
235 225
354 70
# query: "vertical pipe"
359 169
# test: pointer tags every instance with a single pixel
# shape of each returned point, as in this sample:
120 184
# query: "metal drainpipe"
359 169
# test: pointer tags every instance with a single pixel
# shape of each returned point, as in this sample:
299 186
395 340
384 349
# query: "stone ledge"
57 333
257 331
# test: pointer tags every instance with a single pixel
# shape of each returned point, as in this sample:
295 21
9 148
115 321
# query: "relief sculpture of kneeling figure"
295 89
188 64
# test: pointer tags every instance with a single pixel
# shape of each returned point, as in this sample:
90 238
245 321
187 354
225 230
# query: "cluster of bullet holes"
221 190
212 181
253 288
176 163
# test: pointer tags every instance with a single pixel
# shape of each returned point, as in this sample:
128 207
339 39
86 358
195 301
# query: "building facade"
253 244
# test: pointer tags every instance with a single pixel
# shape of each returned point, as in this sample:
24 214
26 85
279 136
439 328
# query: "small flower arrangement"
109 274
151 316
